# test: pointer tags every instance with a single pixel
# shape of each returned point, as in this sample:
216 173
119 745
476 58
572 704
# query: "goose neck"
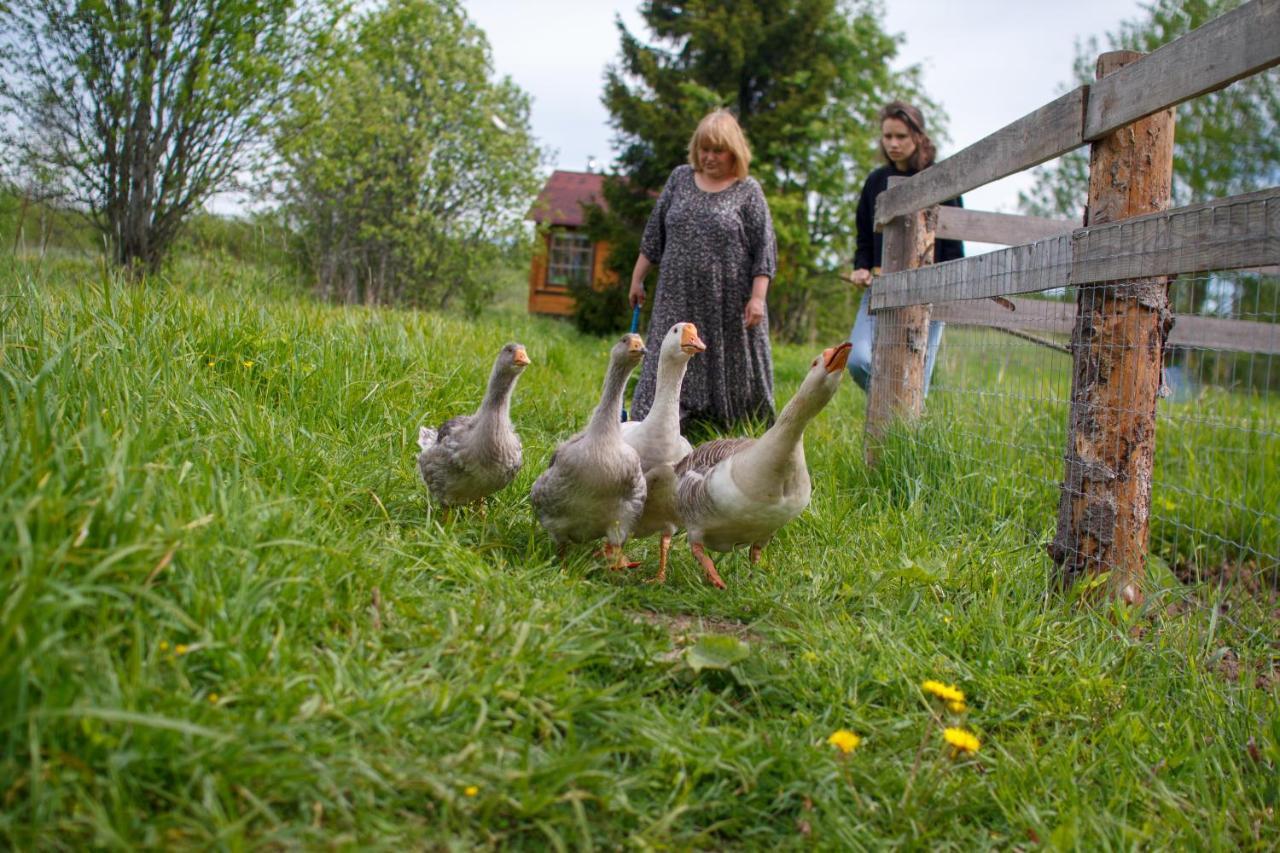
666 399
606 419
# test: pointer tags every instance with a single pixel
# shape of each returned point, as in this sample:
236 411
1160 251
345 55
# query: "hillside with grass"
230 619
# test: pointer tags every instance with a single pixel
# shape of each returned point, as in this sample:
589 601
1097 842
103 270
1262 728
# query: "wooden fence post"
1117 344
902 334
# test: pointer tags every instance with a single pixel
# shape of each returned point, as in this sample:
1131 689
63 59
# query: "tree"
405 167
145 108
1226 142
805 79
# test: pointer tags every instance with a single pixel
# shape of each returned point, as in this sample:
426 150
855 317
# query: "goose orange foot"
709 567
616 556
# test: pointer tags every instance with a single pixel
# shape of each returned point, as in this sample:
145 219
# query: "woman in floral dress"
711 236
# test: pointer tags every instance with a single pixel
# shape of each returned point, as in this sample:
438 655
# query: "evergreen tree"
805 79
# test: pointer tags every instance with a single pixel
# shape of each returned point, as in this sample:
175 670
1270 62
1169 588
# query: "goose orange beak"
837 357
689 340
521 357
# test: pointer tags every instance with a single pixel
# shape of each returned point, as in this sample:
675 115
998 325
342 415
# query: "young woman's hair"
925 151
719 129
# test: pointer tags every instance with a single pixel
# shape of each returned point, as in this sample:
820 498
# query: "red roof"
561 199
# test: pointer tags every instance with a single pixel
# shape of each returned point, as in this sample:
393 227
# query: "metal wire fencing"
998 412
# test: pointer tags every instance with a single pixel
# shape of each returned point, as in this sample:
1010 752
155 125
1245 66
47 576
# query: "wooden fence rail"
1233 233
1057 318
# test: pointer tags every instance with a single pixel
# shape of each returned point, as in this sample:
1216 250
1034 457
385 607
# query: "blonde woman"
711 236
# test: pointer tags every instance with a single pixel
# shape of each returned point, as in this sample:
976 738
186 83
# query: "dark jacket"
870 241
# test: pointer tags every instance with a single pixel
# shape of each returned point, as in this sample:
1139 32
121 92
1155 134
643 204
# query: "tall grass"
207 483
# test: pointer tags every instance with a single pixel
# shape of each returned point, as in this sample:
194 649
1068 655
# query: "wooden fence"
1118 263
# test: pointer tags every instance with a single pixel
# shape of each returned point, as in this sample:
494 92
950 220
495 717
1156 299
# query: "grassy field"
204 481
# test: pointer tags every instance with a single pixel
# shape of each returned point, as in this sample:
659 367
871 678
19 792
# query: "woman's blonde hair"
719 129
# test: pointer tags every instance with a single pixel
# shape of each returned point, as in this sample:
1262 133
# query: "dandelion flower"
247 363
945 692
845 741
211 362
213 698
957 706
181 649
471 790
811 657
961 740
164 645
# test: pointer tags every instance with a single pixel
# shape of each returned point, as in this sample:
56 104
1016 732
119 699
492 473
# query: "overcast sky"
987 62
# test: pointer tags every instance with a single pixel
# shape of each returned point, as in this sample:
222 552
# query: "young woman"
712 236
907 149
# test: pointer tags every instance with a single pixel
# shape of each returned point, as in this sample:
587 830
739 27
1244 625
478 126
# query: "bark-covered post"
901 335
1118 346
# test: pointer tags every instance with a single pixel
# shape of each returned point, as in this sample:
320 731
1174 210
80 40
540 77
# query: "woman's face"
716 162
895 136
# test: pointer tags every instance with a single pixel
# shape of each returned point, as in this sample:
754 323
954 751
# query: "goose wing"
706 456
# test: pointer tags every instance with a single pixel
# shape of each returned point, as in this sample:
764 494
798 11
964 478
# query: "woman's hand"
862 278
636 295
753 314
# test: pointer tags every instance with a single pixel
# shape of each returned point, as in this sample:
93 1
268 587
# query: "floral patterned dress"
708 247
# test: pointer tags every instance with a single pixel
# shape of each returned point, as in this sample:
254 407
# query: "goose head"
512 359
681 343
629 350
823 378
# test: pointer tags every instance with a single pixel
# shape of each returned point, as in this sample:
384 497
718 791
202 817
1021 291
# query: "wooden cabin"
567 254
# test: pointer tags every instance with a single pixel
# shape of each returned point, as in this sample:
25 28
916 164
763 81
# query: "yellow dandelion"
945 692
181 649
211 362
957 706
213 698
961 740
471 790
845 741
247 363
164 645
811 657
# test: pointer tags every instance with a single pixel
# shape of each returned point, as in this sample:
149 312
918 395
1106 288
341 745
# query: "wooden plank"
1049 132
1218 333
1240 232
1005 229
1049 317
1232 233
1029 268
1242 42
1040 315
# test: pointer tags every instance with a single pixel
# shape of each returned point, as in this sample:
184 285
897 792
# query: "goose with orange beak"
740 491
593 487
658 440
470 457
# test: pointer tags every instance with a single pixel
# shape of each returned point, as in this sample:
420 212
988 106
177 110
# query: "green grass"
215 463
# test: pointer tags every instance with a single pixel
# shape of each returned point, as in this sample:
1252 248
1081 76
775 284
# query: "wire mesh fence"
998 413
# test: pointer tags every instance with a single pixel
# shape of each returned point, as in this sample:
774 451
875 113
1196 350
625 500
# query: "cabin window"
569 260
